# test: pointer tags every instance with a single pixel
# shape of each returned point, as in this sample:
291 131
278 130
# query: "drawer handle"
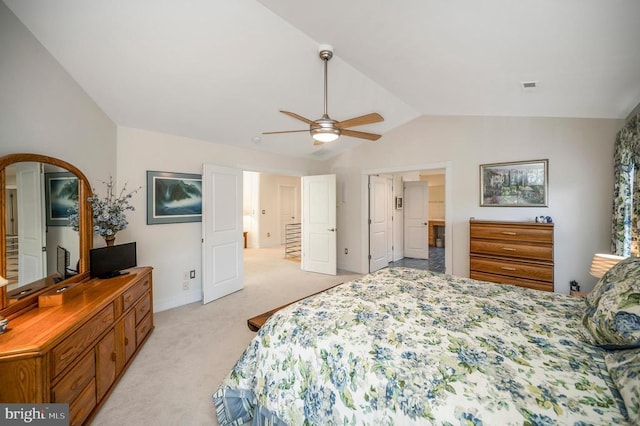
143 330
508 268
126 341
75 384
113 356
508 233
508 249
128 298
67 354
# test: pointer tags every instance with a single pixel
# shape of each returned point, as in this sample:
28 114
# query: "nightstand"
578 293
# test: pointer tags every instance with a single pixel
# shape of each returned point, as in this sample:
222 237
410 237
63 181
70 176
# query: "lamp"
601 263
3 320
325 129
325 134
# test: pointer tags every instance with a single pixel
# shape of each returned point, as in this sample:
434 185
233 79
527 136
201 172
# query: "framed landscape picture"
517 184
173 197
61 193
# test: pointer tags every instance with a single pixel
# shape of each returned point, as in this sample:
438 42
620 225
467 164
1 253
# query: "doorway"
435 230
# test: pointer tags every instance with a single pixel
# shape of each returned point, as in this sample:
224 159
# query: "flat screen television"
109 262
62 262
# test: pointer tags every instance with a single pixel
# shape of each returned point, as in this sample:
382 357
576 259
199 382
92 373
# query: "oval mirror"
38 247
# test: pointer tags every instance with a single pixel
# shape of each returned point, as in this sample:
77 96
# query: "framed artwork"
173 197
518 184
61 193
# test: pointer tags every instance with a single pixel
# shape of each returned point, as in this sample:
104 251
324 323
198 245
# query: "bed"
403 346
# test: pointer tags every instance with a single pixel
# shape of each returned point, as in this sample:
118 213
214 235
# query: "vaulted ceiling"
219 70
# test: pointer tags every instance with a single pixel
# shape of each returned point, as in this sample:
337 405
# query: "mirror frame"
85 232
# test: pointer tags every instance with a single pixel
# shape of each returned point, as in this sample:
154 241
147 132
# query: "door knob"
332 229
425 223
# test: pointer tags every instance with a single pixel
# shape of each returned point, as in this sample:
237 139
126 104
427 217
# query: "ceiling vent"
529 84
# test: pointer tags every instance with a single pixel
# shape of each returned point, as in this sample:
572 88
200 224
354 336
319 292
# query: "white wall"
580 153
44 111
172 249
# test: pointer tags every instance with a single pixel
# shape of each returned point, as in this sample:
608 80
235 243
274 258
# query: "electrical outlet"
346 251
192 274
185 286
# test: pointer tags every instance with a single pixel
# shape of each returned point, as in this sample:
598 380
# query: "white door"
319 224
416 219
222 240
32 255
288 209
379 219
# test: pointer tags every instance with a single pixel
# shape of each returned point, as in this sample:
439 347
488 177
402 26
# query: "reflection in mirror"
39 242
34 215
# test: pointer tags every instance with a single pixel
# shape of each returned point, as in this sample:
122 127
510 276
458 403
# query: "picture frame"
61 194
398 203
173 197
515 184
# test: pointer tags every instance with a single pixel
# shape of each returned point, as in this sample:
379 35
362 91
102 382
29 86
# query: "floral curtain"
626 196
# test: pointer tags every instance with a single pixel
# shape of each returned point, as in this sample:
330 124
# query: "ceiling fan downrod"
326 53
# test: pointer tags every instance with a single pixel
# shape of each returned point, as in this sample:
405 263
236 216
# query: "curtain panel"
626 196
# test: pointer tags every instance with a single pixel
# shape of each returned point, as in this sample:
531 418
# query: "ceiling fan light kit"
327 129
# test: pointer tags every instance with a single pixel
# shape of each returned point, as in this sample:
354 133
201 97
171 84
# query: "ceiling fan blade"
297 117
362 135
374 117
285 131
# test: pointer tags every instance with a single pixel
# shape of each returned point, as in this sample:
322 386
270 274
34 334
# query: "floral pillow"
624 369
629 267
614 319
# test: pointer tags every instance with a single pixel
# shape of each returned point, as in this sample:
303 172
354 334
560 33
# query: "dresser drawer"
513 269
76 380
520 282
80 409
512 249
67 351
143 307
134 293
143 329
529 233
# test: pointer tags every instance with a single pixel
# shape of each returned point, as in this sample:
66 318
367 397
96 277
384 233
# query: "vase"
110 240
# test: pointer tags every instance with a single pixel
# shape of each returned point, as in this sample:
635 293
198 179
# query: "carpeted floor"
194 346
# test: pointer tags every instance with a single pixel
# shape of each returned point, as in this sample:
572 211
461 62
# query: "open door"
379 222
222 239
319 224
32 254
416 219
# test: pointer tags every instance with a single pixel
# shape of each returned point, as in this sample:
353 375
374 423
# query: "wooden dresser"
519 253
74 349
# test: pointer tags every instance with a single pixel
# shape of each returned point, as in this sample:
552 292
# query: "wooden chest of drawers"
75 352
519 253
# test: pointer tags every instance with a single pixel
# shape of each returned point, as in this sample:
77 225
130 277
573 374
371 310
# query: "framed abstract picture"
173 197
61 193
517 184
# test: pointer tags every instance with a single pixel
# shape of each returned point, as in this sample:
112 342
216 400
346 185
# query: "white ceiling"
219 70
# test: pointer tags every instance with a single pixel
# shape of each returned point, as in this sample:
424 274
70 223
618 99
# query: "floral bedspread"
402 346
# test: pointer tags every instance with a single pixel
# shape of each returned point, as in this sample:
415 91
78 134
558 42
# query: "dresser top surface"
40 327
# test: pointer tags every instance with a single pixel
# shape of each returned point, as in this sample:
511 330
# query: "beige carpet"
193 347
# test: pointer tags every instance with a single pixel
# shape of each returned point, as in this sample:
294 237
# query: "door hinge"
369 257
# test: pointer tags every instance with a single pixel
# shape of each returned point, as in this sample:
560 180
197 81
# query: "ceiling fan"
326 129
